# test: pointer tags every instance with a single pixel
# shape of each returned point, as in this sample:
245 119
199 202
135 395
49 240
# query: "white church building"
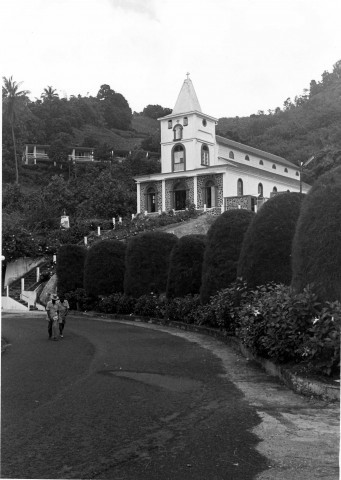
199 167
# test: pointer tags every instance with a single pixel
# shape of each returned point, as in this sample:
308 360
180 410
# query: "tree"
147 263
316 251
266 251
224 241
12 96
49 94
104 268
156 111
185 268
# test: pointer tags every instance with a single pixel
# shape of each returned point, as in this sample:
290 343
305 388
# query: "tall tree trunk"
15 156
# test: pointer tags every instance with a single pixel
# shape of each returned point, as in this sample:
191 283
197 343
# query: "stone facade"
158 190
217 180
247 202
171 184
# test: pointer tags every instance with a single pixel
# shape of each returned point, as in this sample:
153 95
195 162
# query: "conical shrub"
266 251
224 241
185 268
316 251
104 268
147 263
70 267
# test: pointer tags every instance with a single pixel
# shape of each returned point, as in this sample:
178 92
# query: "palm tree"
49 93
11 97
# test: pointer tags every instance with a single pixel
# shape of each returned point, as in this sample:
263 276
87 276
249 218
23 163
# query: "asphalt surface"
114 400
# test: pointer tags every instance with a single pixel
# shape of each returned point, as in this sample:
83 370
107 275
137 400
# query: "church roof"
187 100
246 148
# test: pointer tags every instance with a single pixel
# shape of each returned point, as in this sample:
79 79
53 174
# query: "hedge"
104 268
224 241
147 263
266 251
70 267
316 249
185 268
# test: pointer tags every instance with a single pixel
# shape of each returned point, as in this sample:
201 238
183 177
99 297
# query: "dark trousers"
49 328
61 327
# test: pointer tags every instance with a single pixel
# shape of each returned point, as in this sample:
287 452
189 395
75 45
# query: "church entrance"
151 200
210 194
180 196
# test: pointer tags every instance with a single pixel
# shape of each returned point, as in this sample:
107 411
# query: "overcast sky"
242 55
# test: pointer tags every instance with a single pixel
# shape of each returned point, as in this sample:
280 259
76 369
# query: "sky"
242 55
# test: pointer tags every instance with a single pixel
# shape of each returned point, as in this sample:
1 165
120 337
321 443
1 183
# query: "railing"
80 158
34 157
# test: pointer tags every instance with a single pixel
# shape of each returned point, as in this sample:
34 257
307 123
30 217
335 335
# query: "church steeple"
187 100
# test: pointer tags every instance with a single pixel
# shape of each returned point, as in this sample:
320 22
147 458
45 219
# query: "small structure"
33 153
81 154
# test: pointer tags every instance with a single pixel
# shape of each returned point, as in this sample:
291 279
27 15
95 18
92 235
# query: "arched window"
177 132
178 158
210 194
151 200
286 170
274 189
260 190
274 166
185 121
297 174
231 155
240 187
261 162
170 123
247 157
205 155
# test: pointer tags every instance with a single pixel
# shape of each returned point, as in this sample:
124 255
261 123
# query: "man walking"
64 307
52 309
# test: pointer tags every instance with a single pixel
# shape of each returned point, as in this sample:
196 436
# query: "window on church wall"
205 155
231 155
170 123
177 132
260 190
286 170
274 166
261 162
240 187
185 121
274 189
297 174
247 157
178 158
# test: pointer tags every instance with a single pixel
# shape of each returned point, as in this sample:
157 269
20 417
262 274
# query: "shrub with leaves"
117 303
183 309
104 268
266 252
316 248
226 303
147 263
79 300
224 241
70 267
150 306
185 268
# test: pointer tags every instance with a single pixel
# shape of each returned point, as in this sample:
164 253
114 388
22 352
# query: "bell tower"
187 134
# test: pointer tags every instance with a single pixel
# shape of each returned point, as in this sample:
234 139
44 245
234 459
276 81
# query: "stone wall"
245 202
170 184
158 190
218 182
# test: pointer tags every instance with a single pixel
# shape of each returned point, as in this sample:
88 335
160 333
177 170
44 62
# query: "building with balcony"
199 167
34 153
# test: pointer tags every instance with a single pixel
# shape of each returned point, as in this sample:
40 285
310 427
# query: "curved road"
135 402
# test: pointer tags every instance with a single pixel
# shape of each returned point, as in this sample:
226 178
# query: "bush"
147 263
79 300
316 248
185 268
183 309
224 241
150 306
225 306
266 251
117 303
70 267
104 268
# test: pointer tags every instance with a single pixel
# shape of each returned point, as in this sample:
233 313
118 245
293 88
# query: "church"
212 172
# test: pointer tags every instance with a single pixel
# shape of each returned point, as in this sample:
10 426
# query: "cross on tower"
187 75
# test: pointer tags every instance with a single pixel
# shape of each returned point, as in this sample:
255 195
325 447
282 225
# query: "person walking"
64 307
52 309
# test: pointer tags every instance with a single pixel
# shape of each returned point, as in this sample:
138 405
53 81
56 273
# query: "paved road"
123 401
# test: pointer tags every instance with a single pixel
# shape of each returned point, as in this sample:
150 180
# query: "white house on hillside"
202 168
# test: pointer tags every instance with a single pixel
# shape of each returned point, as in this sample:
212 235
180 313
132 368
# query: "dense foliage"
147 263
104 268
316 250
266 251
224 241
184 276
70 267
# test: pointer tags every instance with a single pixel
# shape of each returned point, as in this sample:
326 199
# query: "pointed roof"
187 100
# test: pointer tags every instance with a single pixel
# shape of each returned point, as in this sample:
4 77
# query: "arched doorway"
180 195
210 194
151 200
